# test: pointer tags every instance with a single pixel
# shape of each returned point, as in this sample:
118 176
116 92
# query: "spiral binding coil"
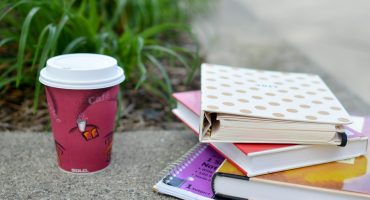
179 165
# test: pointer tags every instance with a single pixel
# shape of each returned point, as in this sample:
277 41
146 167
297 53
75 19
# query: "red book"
257 159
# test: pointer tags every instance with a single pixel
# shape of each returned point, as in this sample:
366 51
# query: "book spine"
214 177
212 145
227 197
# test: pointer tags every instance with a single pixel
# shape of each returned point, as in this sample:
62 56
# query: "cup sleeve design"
109 143
60 150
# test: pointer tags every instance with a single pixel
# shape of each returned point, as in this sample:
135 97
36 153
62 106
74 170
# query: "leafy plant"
140 34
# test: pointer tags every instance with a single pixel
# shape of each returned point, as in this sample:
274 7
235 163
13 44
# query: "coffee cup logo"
81 124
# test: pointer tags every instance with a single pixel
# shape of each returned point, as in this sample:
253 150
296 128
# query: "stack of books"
268 135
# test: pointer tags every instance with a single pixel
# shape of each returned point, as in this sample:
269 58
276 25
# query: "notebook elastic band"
344 138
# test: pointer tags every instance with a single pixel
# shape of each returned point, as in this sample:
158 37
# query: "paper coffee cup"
81 92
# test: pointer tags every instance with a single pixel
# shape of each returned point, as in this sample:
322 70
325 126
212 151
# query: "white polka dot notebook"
244 105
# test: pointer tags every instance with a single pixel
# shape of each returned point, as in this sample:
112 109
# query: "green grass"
140 34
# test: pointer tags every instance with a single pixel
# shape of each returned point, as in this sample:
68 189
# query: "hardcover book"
258 106
258 158
342 180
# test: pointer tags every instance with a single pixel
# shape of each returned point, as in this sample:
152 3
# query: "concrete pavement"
28 168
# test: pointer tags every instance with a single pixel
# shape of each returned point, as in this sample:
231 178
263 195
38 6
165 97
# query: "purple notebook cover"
194 173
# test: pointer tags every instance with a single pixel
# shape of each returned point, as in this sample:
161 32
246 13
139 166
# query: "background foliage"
140 34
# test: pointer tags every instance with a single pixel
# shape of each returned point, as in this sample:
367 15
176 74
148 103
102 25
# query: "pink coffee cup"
81 92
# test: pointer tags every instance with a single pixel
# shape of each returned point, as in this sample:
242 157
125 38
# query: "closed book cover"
341 180
190 176
236 102
256 159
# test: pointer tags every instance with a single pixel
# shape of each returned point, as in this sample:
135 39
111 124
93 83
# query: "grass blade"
82 7
195 61
11 8
74 44
9 70
23 43
6 40
58 30
170 52
154 30
117 12
163 72
93 15
152 89
6 81
39 45
44 56
143 71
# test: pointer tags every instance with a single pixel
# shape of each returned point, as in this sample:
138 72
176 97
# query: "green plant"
140 34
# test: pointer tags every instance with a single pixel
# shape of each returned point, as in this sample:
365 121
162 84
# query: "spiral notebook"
296 108
190 176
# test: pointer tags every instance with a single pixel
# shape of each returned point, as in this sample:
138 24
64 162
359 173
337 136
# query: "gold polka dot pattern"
291 110
287 100
274 103
227 103
309 117
211 87
335 108
324 113
256 97
283 91
269 94
343 119
212 107
278 114
329 98
260 107
304 106
299 96
212 96
243 100
245 111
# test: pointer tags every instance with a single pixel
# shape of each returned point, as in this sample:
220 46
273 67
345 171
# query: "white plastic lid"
81 71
